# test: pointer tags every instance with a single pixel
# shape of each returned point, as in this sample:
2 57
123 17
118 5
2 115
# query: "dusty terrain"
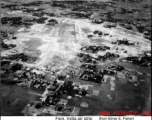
56 48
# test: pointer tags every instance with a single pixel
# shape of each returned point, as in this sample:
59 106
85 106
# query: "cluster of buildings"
108 56
52 103
87 58
110 25
52 22
84 9
97 21
123 42
20 57
100 33
95 49
91 73
7 46
29 22
51 100
13 21
30 77
37 13
141 61
6 35
18 21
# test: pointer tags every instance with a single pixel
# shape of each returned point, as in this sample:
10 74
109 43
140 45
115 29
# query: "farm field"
75 57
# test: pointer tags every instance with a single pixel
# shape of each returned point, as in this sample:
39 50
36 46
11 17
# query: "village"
81 59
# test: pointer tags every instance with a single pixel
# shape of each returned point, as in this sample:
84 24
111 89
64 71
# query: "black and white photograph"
76 58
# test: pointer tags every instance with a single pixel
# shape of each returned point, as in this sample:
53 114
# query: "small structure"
132 78
63 101
32 110
110 25
88 95
109 96
121 75
75 112
95 92
112 82
84 104
69 97
105 78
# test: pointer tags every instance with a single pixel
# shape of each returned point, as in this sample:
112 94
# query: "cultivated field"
55 39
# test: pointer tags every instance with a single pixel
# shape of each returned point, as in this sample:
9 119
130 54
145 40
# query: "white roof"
37 71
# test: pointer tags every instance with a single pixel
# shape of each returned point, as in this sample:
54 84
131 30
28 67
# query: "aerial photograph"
75 57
